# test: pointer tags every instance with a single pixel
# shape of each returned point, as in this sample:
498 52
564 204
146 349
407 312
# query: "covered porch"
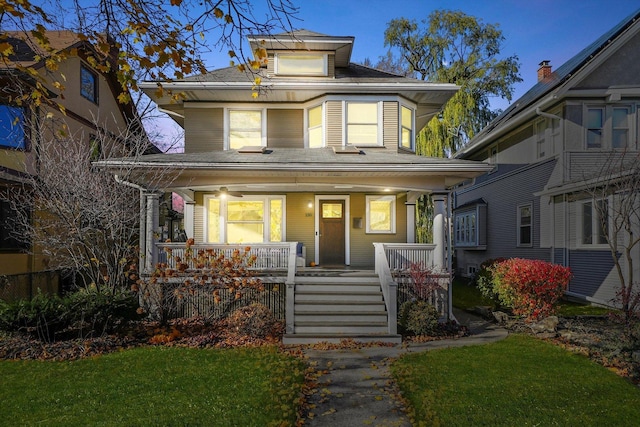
327 304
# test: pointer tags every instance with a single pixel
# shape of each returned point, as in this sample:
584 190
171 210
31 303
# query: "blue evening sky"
534 30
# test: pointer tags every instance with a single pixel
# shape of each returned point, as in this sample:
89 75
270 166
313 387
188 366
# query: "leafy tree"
452 47
139 39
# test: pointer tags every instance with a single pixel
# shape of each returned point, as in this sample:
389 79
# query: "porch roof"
364 168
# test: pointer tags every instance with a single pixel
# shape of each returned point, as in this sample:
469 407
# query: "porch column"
152 216
411 221
189 217
439 221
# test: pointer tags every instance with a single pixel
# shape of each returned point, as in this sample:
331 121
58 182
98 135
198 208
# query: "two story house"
549 150
90 106
324 157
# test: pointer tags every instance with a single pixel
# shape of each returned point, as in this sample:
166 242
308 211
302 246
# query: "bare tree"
614 190
80 219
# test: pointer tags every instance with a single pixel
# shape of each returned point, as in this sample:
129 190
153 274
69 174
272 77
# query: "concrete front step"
346 317
337 338
340 328
334 296
339 306
331 287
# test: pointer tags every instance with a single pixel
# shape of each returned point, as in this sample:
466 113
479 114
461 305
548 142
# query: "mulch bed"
187 333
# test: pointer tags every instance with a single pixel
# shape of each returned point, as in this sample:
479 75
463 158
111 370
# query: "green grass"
520 381
155 386
466 296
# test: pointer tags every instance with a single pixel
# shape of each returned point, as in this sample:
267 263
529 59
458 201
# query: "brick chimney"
545 70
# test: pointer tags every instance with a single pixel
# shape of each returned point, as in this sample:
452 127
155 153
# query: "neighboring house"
324 157
90 97
545 148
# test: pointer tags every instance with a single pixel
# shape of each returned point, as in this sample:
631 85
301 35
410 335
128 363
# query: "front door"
331 229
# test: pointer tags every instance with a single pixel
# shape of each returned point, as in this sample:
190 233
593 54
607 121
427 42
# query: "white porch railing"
393 265
389 286
401 255
279 258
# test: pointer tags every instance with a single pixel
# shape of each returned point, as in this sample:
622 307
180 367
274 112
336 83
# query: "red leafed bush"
531 288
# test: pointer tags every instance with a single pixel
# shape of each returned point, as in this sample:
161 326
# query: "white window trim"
325 65
607 126
227 124
223 216
322 125
380 106
392 199
595 222
541 127
474 241
412 146
519 219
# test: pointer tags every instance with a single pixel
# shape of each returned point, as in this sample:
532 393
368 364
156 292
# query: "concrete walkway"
356 388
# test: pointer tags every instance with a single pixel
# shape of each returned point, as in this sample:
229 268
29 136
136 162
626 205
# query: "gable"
621 68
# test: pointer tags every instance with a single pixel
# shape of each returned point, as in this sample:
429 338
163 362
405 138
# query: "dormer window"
301 64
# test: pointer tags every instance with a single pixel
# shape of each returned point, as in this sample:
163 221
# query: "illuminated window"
245 128
381 214
301 64
406 122
250 219
362 123
315 127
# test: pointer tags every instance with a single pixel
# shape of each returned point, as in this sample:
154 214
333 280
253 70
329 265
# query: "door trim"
347 220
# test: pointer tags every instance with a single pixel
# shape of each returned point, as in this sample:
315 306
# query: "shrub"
254 320
43 316
484 279
419 317
531 288
96 312
86 312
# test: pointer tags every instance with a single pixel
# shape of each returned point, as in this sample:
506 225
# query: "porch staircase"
334 306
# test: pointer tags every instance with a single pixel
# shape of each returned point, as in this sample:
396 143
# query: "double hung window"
251 219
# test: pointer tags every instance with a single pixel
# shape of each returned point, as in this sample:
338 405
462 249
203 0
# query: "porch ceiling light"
224 192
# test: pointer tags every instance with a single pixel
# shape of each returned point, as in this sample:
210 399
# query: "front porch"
328 304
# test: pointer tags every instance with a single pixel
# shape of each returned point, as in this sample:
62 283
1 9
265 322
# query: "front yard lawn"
155 386
518 381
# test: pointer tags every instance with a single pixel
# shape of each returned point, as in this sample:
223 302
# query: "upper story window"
540 131
12 130
314 127
301 64
620 127
246 128
609 127
406 128
88 84
525 225
362 123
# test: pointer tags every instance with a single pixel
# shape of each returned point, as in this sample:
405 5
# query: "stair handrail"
388 285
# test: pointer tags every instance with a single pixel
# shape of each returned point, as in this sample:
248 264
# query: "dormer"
303 53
